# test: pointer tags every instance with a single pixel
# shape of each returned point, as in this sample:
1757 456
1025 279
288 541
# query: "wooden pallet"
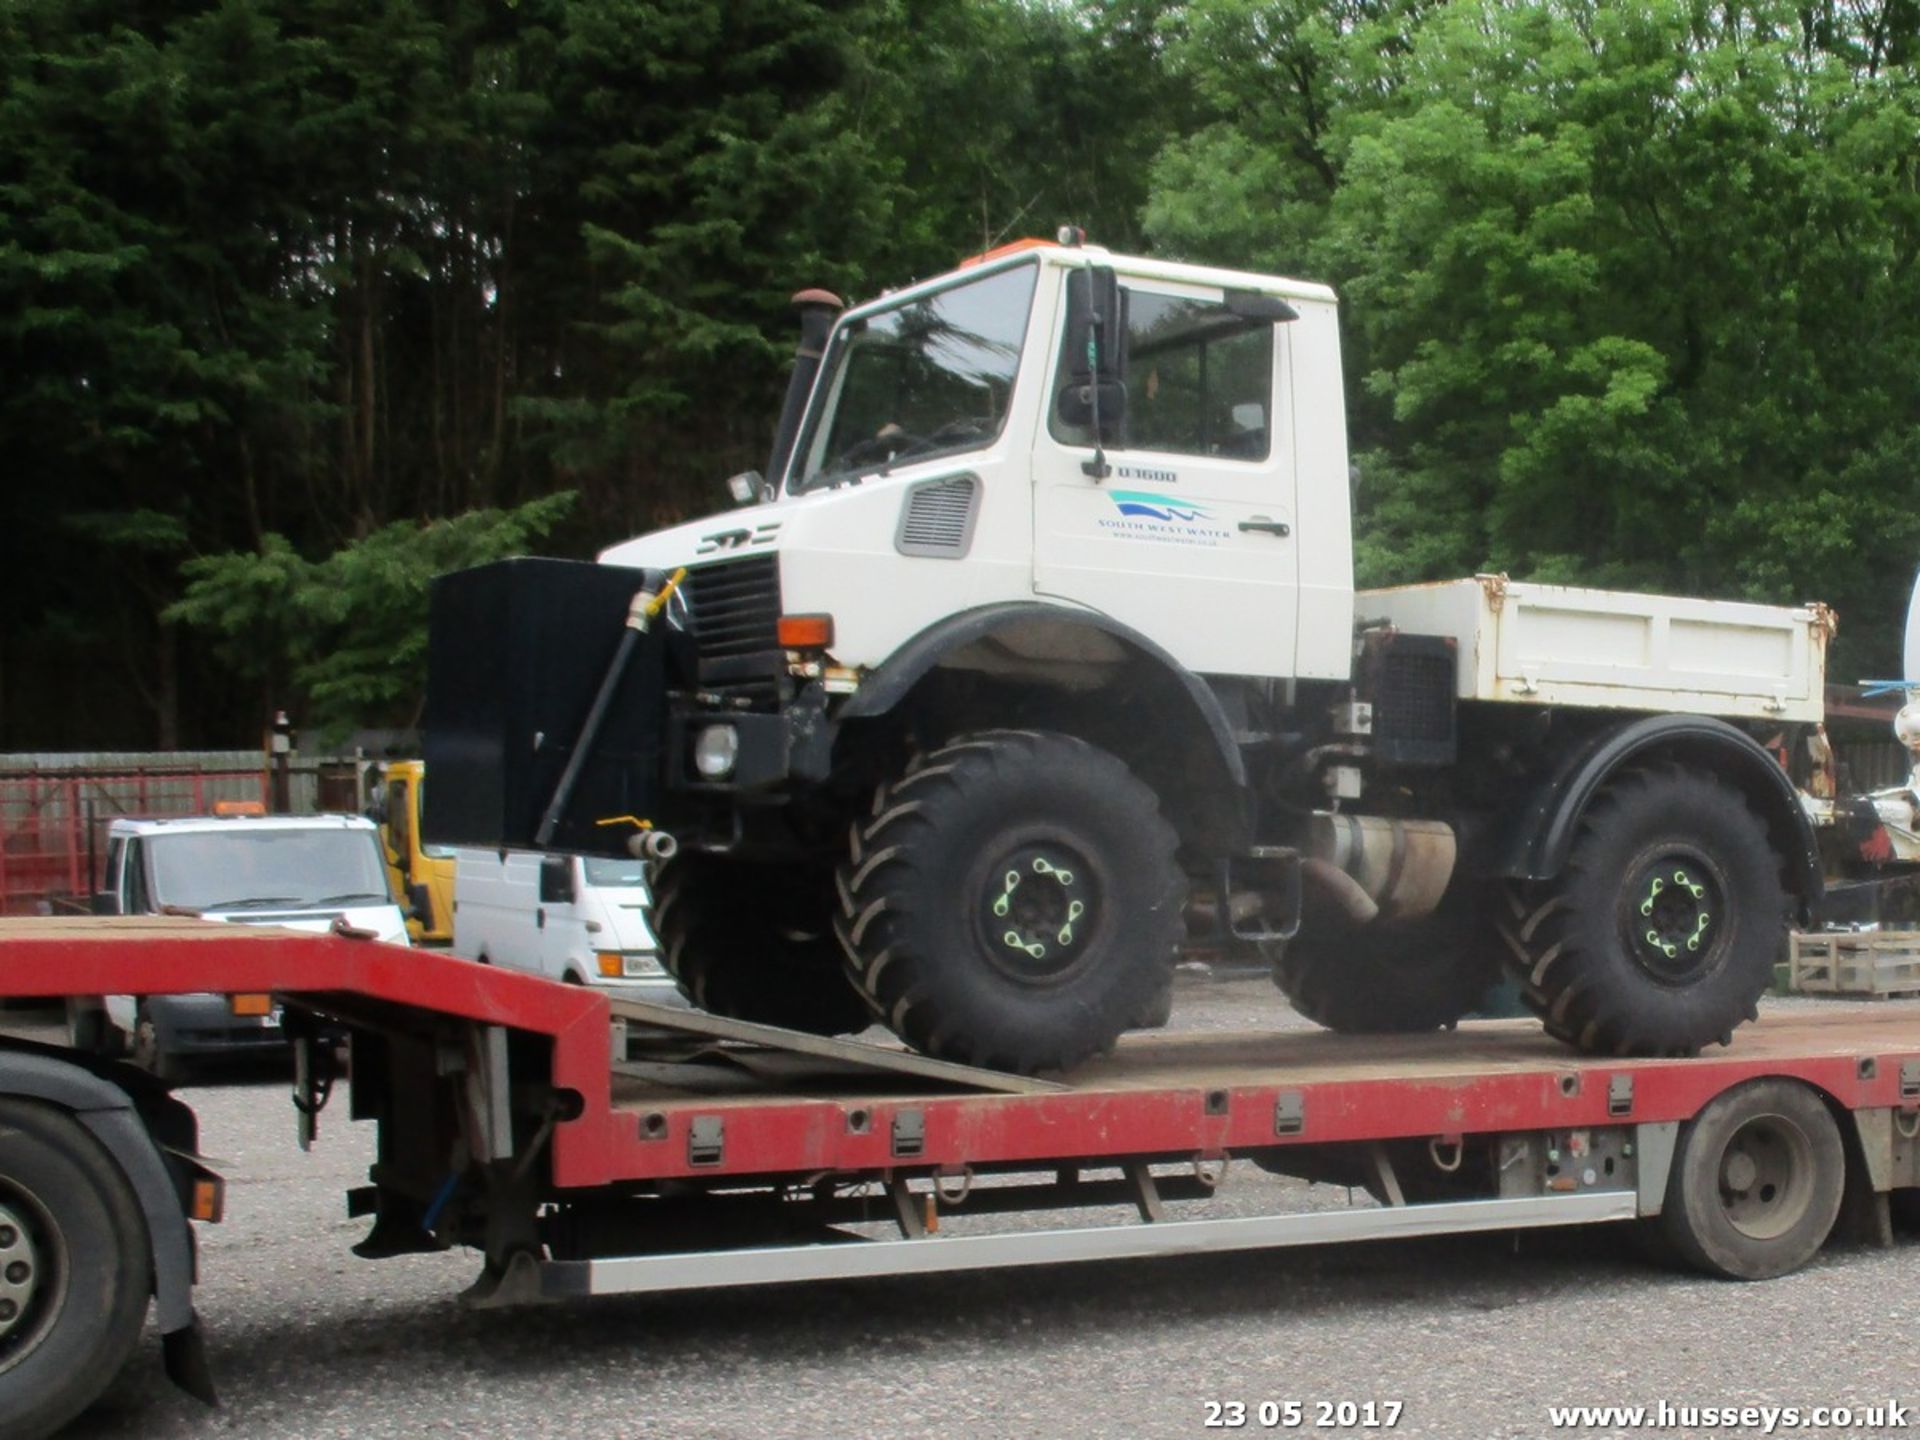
1873 964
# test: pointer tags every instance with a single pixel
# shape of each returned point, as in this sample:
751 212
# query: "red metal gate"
53 826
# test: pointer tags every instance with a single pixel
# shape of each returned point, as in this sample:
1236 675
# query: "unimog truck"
1035 658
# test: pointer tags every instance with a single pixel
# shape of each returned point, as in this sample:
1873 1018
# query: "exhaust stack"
818 308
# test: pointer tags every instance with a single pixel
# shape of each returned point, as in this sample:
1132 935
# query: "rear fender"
1532 838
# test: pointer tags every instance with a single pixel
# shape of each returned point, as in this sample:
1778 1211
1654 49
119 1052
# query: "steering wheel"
889 444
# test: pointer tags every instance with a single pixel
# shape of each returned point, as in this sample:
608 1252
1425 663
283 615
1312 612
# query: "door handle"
1270 527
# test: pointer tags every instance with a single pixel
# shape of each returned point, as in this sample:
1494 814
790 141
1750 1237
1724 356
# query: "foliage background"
288 290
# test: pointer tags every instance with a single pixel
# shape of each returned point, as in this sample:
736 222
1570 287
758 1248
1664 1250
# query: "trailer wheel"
1756 1183
1399 977
753 942
1013 901
75 1270
1661 931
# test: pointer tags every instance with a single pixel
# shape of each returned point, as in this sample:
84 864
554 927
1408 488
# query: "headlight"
714 751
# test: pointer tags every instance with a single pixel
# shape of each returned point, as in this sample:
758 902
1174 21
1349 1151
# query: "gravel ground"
1475 1337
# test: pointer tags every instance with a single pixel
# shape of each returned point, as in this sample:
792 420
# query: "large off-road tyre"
753 942
1393 977
1661 931
1013 901
75 1269
1756 1183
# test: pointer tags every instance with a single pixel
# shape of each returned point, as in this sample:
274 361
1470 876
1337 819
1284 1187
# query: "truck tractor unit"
1035 659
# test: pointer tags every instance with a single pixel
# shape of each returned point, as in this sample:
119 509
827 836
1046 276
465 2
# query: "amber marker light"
805 632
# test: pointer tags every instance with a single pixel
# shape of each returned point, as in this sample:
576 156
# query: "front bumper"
206 1025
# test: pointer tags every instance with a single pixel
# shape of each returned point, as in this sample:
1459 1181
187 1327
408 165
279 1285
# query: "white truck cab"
935 432
575 918
302 872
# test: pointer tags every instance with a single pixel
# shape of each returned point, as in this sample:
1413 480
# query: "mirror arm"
1097 467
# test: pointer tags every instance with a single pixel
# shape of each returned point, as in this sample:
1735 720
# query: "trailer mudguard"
1208 802
1533 838
108 1111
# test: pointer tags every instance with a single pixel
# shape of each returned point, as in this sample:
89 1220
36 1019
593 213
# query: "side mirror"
1075 405
747 488
1094 367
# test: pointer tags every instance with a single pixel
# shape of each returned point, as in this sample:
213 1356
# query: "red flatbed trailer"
709 1152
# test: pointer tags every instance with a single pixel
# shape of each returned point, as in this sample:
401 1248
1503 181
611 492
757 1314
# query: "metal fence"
54 815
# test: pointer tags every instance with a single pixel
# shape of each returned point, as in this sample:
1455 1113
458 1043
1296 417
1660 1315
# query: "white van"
302 872
569 917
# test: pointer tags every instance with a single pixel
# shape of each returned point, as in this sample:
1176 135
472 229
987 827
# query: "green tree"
347 634
1629 291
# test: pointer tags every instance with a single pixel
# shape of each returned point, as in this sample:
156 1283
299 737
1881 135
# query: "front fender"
1193 732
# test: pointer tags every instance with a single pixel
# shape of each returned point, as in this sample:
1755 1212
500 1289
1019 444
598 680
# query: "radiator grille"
938 517
734 610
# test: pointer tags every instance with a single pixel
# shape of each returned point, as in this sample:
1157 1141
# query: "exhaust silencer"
1398 867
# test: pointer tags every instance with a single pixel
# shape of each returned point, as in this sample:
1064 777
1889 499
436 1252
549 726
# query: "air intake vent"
938 517
1411 683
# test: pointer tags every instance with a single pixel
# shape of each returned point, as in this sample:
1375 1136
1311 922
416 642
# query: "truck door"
1190 539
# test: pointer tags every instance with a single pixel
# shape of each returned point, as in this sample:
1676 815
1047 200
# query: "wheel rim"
1766 1177
1674 919
29 1276
1035 910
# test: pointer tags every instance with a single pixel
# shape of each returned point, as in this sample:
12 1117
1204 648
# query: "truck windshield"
932 376
246 869
601 871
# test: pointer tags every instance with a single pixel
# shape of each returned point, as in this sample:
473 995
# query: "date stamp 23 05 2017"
1301 1414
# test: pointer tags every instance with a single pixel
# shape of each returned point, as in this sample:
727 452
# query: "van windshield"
616 872
241 869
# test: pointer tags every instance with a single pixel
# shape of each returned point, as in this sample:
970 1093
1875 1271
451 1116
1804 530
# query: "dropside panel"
1602 649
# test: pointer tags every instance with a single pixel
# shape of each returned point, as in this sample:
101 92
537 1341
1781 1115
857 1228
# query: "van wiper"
254 902
350 896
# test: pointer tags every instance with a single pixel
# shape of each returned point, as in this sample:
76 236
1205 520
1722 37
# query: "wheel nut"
18 1272
7 1311
7 1236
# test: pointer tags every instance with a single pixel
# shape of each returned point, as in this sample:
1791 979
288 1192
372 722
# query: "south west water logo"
1146 505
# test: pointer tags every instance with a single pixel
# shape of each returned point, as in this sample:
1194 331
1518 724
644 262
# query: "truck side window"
138 899
1199 379
399 819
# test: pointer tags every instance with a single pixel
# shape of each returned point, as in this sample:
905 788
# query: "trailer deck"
587 1146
